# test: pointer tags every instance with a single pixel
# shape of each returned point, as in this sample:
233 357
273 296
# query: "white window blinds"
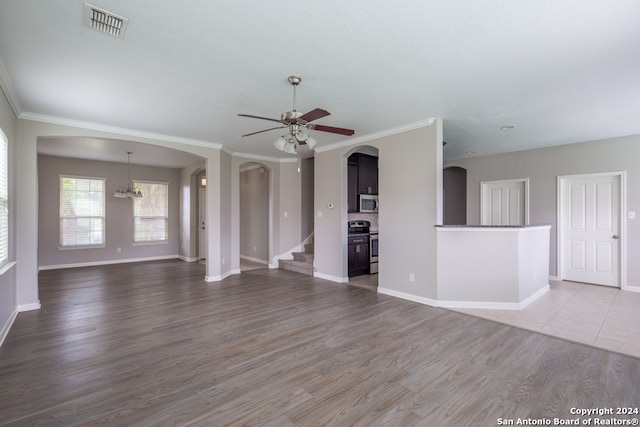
151 212
4 199
82 213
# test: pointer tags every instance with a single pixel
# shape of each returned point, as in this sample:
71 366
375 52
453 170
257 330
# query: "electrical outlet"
118 250
412 277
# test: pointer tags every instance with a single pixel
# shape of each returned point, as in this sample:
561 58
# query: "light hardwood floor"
153 344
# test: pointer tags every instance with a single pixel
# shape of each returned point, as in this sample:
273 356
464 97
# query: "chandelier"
128 192
298 135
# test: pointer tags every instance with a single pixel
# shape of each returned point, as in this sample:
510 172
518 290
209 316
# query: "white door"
504 202
590 229
202 224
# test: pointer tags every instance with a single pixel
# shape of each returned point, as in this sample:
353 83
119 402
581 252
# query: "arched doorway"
255 208
454 180
362 216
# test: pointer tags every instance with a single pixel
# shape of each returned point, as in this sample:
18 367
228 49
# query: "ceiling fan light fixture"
311 142
280 143
302 134
290 147
298 125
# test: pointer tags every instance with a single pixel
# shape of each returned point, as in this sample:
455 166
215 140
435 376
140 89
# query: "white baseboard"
410 297
7 326
107 262
631 288
28 307
465 304
330 277
219 277
494 304
554 278
184 258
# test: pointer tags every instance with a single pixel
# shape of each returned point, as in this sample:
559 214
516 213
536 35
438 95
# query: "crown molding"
9 90
263 158
117 130
376 135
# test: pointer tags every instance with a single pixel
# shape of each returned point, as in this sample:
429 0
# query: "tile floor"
599 316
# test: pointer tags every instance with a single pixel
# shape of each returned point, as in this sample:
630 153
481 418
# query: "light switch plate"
632 214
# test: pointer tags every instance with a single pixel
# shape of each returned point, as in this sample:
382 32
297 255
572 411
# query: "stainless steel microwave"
368 203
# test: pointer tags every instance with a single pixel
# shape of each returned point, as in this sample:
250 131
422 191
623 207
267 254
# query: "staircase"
302 262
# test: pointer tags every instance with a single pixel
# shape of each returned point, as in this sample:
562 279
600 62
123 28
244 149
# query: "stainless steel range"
373 253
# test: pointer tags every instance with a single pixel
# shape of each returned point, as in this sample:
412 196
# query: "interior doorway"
454 180
255 214
504 202
590 228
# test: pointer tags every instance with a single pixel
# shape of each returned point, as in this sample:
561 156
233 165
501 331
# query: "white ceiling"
559 71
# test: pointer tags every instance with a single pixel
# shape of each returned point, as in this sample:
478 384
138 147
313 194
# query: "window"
151 212
4 200
81 211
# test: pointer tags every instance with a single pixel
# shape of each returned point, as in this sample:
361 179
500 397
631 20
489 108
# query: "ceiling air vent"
104 22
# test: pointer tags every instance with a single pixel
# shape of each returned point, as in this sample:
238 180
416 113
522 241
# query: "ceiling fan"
298 125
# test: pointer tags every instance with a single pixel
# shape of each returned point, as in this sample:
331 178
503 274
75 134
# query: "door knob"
615 236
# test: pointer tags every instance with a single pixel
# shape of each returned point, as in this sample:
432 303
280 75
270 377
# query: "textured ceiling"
559 71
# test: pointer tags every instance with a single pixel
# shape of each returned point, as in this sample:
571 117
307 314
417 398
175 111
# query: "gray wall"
543 166
8 284
119 212
254 213
406 199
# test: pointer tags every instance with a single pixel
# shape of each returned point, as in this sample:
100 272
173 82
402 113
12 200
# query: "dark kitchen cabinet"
358 252
367 174
352 186
362 178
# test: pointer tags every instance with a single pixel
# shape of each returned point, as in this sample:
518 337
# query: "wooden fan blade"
316 114
266 130
258 117
341 131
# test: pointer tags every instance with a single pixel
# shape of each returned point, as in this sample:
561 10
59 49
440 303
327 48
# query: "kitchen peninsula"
504 267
